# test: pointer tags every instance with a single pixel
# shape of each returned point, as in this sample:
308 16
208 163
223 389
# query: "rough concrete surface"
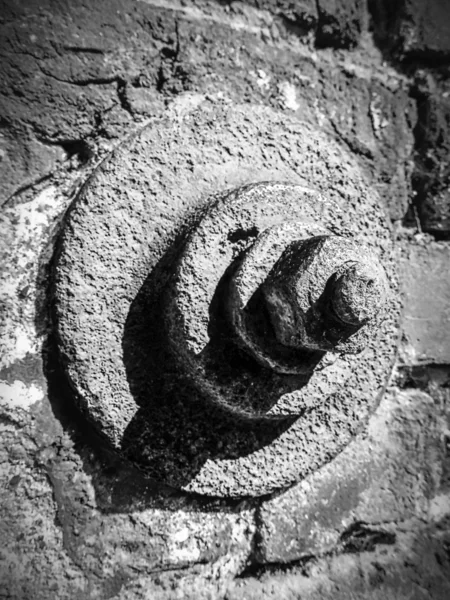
78 522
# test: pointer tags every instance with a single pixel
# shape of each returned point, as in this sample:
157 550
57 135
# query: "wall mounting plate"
121 239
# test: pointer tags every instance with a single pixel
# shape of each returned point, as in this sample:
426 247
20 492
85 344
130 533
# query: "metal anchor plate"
113 273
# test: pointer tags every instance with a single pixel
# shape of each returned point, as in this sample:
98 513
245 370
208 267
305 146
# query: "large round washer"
120 241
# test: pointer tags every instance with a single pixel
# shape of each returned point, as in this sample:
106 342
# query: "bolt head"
357 293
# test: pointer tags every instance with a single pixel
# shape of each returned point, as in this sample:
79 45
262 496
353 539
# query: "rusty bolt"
356 296
324 294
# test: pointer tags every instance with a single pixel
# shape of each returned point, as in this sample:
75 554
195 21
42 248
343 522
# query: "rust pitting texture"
278 298
113 266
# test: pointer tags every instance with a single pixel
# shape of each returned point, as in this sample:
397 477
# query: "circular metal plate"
121 239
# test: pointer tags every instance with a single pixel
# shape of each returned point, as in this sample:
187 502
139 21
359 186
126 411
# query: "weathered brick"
432 171
24 160
424 271
59 74
377 124
413 28
341 22
302 13
425 28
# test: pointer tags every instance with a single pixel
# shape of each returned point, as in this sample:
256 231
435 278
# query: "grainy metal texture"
217 278
251 273
121 239
324 294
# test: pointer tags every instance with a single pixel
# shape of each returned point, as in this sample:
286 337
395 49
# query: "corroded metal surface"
113 270
242 267
325 294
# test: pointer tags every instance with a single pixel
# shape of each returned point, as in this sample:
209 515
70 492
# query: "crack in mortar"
358 537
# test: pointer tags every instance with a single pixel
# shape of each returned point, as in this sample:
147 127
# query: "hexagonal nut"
325 293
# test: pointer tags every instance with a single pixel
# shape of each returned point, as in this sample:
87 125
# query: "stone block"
24 160
143 101
425 28
414 567
424 274
377 125
341 22
413 28
303 14
393 117
61 85
432 172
